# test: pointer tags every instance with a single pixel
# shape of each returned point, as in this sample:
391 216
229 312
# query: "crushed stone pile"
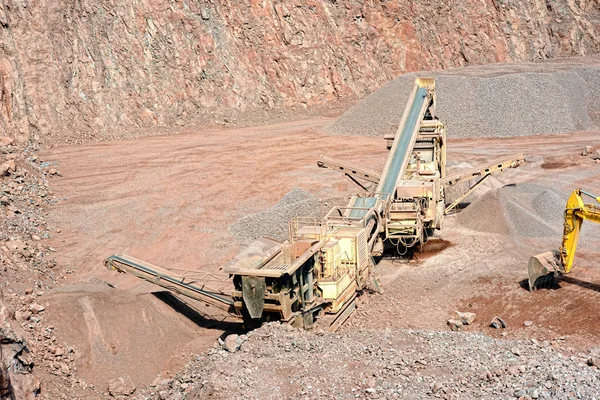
277 361
524 210
273 222
501 100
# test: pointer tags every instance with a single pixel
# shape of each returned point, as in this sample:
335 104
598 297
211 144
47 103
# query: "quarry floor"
169 200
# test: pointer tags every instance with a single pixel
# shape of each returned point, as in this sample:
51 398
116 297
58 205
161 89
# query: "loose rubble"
498 323
16 361
458 319
384 364
232 343
274 221
28 269
122 386
523 210
496 101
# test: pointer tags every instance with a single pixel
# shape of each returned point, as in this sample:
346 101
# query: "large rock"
36 308
454 324
122 386
232 343
16 377
466 318
7 167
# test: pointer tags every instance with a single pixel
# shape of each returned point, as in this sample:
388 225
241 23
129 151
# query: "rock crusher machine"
315 275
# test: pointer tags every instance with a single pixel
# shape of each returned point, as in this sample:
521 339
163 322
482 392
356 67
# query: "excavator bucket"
543 269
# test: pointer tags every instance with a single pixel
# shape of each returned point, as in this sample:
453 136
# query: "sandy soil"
485 272
169 200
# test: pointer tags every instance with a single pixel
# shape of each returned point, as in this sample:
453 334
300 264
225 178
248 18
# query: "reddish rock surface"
87 66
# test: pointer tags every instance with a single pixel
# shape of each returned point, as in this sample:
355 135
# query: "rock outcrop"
16 378
90 66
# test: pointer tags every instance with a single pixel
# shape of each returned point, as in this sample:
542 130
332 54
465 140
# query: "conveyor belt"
164 278
399 155
404 139
363 204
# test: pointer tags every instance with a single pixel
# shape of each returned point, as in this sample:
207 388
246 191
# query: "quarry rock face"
16 377
89 66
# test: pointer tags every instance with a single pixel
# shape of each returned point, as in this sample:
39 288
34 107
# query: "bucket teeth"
543 269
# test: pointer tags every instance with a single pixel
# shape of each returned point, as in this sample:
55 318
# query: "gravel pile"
278 361
524 210
501 100
485 214
273 222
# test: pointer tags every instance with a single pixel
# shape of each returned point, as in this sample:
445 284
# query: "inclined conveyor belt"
397 159
405 139
364 204
162 278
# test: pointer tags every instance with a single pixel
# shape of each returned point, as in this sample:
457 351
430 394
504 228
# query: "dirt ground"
169 200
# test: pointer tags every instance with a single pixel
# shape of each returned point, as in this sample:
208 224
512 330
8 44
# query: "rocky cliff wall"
97 66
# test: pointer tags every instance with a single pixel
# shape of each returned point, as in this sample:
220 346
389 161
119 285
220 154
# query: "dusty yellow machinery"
316 274
545 267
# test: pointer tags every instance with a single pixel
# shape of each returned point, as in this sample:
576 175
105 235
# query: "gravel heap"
278 361
524 210
500 100
273 222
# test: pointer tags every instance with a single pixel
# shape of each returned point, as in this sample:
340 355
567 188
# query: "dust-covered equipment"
315 275
545 267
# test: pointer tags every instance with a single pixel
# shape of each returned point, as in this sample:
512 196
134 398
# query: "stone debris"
528 323
36 308
498 323
232 343
586 150
16 377
597 155
122 386
454 324
6 141
24 193
516 100
394 363
7 168
466 318
273 222
458 319
593 362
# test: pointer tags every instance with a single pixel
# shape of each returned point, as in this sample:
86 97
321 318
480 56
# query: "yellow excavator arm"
546 266
575 212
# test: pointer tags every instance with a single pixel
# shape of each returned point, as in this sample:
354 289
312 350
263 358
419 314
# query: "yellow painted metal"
575 212
333 289
545 266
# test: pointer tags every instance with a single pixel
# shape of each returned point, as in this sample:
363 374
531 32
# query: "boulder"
455 324
7 167
466 318
36 308
122 386
231 343
586 150
18 380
